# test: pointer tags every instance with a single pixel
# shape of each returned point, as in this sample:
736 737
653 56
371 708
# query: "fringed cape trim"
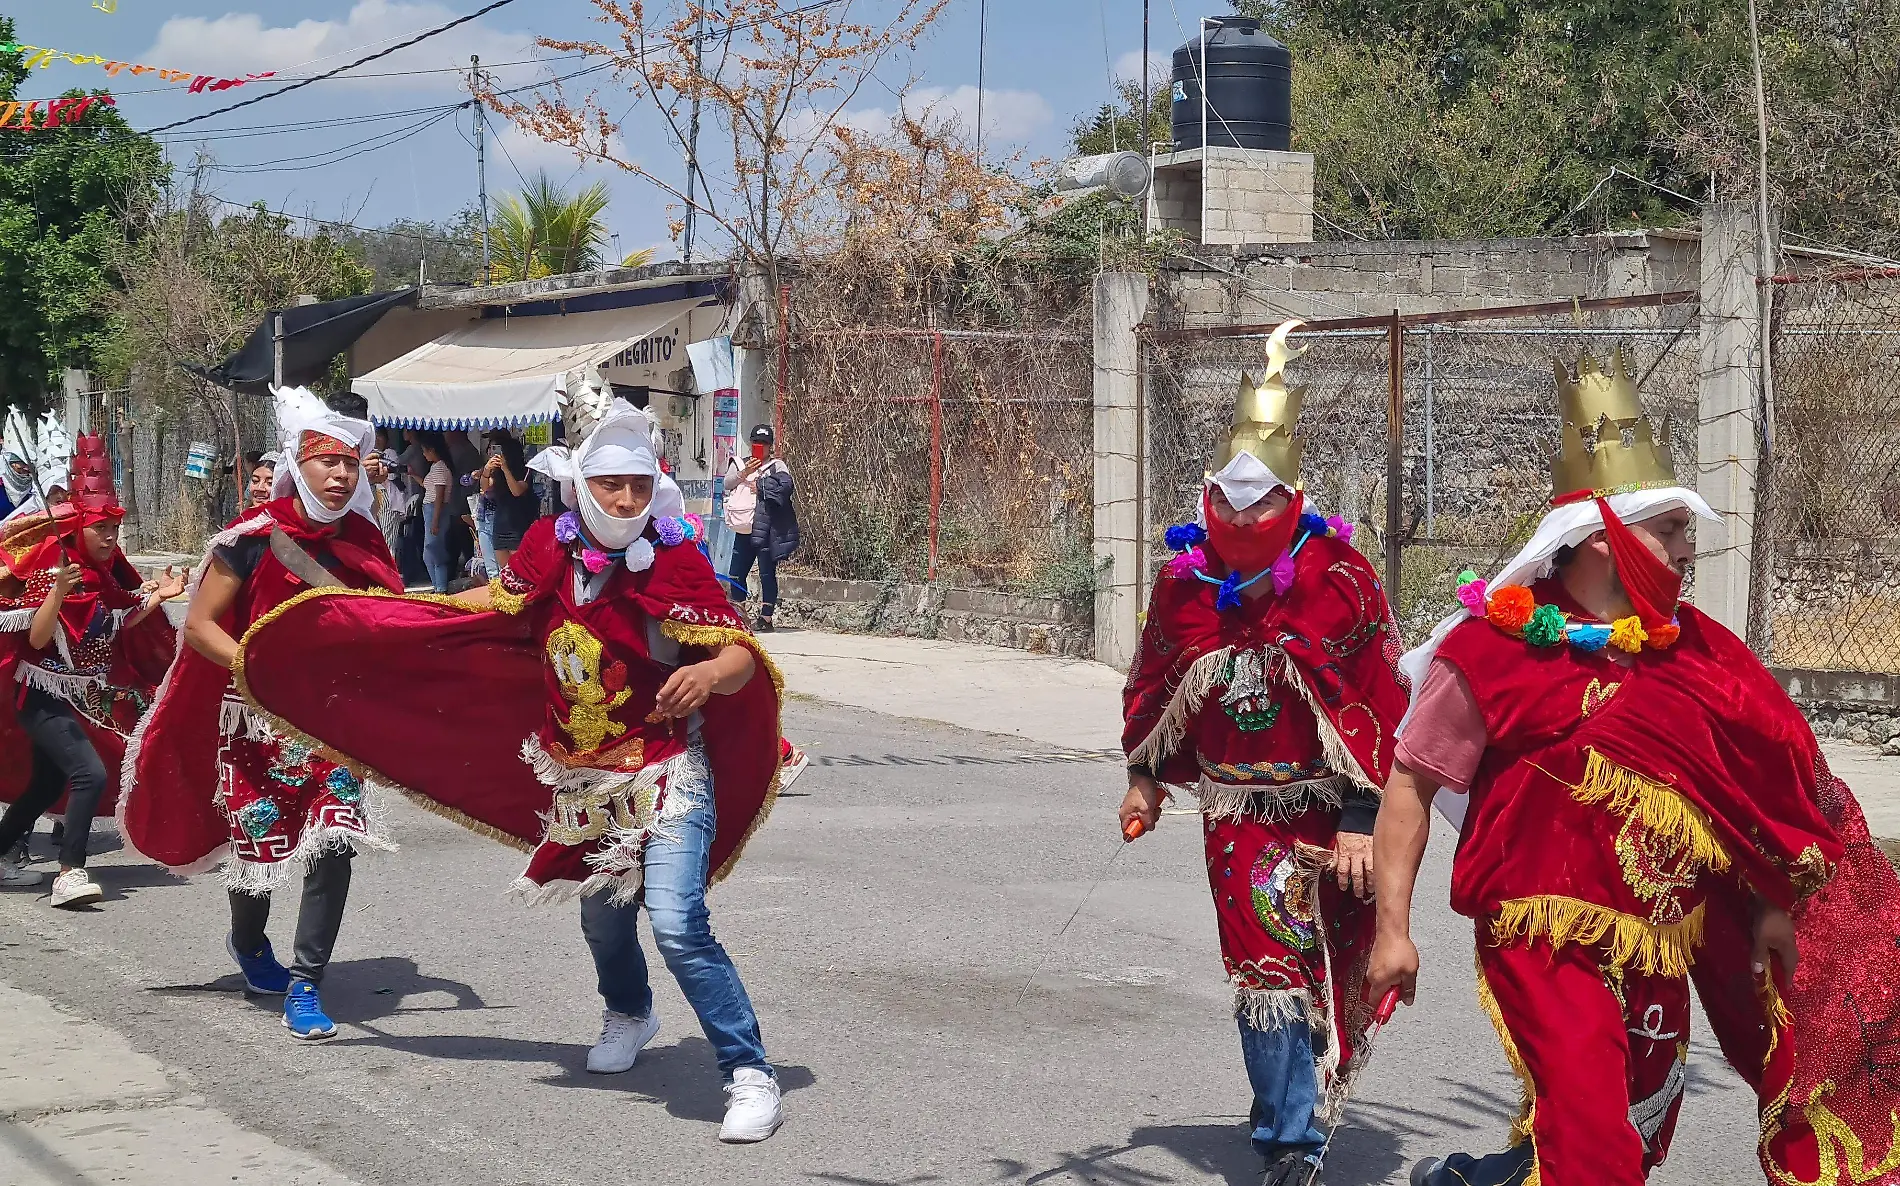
1665 949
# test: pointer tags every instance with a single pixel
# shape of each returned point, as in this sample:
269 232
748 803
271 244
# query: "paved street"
886 921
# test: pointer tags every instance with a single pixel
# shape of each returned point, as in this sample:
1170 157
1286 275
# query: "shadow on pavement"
358 992
1360 1156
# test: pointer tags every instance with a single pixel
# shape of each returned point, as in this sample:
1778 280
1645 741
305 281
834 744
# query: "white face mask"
313 508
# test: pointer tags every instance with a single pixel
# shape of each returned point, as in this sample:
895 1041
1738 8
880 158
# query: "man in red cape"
627 734
1647 810
208 779
1267 678
85 648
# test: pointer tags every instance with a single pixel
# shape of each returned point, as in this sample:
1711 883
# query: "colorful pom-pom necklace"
1514 610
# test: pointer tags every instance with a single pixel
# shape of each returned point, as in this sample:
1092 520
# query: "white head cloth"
1246 480
1564 527
300 411
18 446
621 443
55 454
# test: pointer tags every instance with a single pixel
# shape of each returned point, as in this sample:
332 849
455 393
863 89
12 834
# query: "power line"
336 156
180 88
382 53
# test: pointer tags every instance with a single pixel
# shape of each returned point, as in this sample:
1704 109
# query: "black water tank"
1249 88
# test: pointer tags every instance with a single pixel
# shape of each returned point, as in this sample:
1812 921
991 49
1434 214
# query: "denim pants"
485 535
1285 1088
674 893
745 548
435 548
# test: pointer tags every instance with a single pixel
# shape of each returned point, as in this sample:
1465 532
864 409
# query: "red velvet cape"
169 812
345 668
1333 625
1705 718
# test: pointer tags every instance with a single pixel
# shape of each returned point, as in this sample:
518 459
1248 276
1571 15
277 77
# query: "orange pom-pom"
1665 635
1511 607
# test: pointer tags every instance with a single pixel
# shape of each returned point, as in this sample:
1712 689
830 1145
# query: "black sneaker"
1292 1168
764 625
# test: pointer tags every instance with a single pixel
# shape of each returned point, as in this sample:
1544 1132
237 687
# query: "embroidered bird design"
576 657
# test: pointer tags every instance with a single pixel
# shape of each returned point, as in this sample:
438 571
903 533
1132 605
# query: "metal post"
1147 100
982 46
1201 80
1394 451
481 160
692 135
1431 440
936 444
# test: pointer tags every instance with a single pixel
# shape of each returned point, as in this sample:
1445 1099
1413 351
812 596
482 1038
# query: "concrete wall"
1251 195
1263 282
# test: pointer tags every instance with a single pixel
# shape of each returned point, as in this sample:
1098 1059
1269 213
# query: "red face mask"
1654 588
1254 547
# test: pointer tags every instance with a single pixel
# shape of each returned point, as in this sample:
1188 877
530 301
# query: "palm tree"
544 232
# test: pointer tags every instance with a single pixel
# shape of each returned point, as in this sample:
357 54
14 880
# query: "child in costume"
1642 810
1266 678
209 780
83 644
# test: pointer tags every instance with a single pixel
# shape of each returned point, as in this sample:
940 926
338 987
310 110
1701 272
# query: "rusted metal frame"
936 444
1445 317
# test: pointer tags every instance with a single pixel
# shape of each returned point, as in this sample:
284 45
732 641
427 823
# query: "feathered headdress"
299 412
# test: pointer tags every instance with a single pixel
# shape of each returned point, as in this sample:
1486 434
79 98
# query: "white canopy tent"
505 372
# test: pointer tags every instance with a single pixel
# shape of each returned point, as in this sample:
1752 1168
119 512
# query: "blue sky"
1048 60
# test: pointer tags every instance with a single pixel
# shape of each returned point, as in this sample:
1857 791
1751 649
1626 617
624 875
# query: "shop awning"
505 372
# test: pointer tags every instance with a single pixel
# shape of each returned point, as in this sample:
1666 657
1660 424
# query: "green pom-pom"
1466 577
1546 627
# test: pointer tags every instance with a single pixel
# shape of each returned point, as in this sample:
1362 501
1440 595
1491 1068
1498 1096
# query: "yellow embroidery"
1810 872
1597 695
1841 1157
503 600
1627 941
590 813
575 655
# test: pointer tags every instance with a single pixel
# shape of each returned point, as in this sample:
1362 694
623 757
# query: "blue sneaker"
262 973
303 1014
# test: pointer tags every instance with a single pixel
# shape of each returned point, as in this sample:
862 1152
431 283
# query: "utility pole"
692 146
1147 101
1759 629
982 47
481 160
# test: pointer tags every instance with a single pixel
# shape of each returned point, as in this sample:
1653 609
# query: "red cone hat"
92 491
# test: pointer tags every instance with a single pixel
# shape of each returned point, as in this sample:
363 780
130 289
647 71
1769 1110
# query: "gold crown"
1600 409
1265 414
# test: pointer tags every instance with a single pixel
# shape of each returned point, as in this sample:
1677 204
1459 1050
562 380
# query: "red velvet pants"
1601 1053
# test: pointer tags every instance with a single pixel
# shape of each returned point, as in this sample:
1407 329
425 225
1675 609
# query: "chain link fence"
1834 505
962 457
1479 414
150 444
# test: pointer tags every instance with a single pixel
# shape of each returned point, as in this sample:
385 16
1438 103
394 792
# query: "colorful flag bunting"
57 112
39 57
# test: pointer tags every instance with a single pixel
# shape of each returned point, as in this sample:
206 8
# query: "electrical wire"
382 53
181 87
335 156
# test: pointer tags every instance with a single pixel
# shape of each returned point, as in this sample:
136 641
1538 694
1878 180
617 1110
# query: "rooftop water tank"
1249 88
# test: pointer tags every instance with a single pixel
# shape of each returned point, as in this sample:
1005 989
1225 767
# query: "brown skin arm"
39 635
475 598
1398 848
688 688
217 593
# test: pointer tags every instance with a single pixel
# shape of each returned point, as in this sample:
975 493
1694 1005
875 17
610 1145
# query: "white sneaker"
74 887
13 871
752 1107
621 1039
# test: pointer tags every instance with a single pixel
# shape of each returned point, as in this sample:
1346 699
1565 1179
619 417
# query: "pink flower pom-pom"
1471 595
1282 574
594 561
1342 530
1184 563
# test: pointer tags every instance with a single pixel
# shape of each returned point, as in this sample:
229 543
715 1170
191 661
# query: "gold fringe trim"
1660 807
1628 941
503 600
1527 1110
361 769
1777 1016
688 634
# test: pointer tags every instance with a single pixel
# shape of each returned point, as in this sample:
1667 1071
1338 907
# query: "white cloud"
240 43
1128 67
1009 117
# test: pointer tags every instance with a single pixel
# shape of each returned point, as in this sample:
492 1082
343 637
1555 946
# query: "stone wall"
1040 625
1250 283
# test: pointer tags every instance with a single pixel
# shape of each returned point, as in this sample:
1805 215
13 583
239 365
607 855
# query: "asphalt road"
885 922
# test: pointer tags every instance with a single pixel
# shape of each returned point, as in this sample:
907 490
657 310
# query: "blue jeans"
1285 1088
674 893
485 535
746 548
435 548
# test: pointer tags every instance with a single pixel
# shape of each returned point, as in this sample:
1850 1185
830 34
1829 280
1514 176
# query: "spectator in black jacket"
764 523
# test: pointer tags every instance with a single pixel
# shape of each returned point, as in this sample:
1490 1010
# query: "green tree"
543 231
1116 127
64 193
448 252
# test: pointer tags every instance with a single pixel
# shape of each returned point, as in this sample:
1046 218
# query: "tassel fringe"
1196 683
1272 803
15 620
1338 755
1267 1009
1660 807
1629 942
262 877
58 684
